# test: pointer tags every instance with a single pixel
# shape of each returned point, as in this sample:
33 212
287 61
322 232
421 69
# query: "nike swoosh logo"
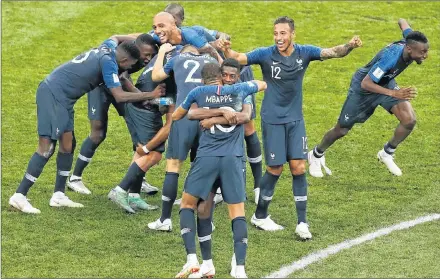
275 62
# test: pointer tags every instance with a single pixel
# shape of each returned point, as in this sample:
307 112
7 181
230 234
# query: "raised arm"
341 50
229 53
403 24
158 73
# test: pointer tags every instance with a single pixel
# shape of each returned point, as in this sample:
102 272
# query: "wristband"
144 148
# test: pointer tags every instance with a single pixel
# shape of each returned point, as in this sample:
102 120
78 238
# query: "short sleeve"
109 72
384 64
186 104
110 44
406 32
169 66
257 55
192 37
247 100
313 52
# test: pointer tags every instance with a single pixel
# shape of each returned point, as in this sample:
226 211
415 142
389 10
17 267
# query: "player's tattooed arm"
158 73
341 50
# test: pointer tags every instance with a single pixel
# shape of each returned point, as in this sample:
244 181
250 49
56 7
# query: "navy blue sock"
267 188
253 147
136 186
188 229
389 148
86 153
299 187
240 234
64 164
132 176
169 194
204 230
33 171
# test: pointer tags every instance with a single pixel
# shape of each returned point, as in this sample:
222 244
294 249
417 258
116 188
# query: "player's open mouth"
280 43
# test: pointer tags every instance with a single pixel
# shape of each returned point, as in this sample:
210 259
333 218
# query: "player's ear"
293 34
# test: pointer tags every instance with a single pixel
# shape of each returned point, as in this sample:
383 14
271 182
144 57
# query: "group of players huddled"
206 92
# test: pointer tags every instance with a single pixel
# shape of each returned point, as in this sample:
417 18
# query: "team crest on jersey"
93 110
272 156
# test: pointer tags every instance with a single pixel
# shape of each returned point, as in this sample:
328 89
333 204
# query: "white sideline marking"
336 248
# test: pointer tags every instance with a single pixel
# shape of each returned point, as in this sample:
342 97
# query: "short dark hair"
285 19
175 9
188 48
210 51
416 36
231 62
130 48
146 39
211 71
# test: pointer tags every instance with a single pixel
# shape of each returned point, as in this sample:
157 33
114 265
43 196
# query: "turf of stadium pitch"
102 241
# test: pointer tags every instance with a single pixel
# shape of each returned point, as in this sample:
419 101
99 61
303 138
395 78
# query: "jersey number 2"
276 72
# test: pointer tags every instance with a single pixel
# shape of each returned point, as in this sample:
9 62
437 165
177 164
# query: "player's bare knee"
275 170
98 136
249 128
173 165
46 149
203 210
298 167
410 123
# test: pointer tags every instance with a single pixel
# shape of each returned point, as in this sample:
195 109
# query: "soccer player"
284 137
56 96
166 31
178 13
231 74
219 155
373 85
183 137
99 101
144 121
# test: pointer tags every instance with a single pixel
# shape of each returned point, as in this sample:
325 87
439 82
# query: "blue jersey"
190 36
221 140
187 69
282 102
209 35
384 67
82 74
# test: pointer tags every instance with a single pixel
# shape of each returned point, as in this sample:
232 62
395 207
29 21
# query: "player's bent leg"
169 194
144 163
188 233
240 236
405 114
46 147
299 189
98 132
316 157
67 144
253 148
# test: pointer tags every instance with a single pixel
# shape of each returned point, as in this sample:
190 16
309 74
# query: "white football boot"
388 160
266 224
20 202
157 225
218 198
233 265
302 230
207 269
75 183
239 272
148 188
59 199
316 165
177 202
189 270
